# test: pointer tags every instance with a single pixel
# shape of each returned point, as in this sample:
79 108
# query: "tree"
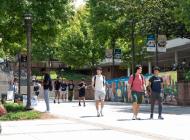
49 17
79 47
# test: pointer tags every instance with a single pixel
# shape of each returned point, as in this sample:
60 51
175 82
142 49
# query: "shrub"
187 76
14 107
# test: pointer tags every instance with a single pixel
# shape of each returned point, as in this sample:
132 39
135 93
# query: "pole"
113 56
133 44
28 35
19 72
156 45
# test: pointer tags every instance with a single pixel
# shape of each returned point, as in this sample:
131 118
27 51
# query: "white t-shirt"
99 86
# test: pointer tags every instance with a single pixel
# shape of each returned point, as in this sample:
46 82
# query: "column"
149 67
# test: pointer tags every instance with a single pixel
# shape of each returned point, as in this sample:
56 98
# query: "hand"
129 95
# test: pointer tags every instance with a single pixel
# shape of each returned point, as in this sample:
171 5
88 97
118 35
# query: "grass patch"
21 115
18 112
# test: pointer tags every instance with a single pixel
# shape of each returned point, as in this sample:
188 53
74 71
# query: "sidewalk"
81 123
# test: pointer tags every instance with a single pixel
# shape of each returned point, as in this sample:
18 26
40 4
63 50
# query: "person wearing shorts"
98 84
64 88
136 90
82 91
57 86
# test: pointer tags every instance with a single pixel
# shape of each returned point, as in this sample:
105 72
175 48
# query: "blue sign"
151 41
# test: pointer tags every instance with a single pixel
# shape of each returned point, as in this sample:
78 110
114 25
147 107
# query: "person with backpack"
99 86
47 86
37 87
136 90
82 88
156 90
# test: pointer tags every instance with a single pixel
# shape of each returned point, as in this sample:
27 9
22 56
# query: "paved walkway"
81 123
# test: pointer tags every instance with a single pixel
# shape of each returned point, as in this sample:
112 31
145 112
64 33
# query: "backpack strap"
94 80
103 80
133 80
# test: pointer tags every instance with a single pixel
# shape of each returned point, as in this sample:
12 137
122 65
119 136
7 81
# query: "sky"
78 3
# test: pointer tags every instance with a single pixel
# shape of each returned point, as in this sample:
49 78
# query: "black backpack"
36 88
103 80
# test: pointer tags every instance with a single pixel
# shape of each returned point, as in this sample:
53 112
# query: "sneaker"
160 118
151 116
98 114
101 113
134 117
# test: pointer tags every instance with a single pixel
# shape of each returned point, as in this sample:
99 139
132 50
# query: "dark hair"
138 67
156 68
98 68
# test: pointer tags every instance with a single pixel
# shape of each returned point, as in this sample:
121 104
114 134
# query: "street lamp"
133 44
28 24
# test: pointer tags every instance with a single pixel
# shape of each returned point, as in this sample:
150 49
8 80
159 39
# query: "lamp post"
156 44
28 23
133 44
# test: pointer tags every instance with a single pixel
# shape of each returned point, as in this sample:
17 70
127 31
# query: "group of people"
137 89
63 89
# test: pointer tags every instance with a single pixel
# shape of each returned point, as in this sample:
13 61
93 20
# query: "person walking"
136 90
71 87
37 87
99 86
47 85
156 91
64 90
57 86
82 88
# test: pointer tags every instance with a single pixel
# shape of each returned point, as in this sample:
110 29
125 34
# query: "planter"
183 93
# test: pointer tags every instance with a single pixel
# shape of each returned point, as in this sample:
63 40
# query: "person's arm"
93 83
162 85
129 87
149 86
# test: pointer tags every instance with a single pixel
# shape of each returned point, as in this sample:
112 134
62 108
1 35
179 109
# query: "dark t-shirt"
81 87
57 85
46 81
63 87
71 87
156 83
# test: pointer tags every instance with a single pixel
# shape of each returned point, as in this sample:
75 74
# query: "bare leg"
102 106
97 108
134 110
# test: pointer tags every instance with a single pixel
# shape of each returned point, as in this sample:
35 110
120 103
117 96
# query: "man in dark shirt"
47 85
156 91
82 88
64 90
71 87
57 86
